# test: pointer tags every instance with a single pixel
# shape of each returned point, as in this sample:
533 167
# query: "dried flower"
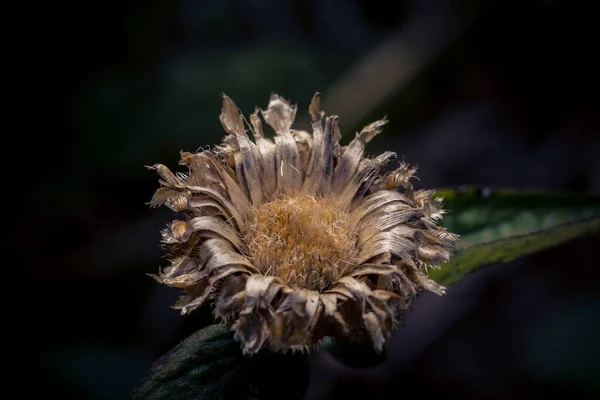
298 238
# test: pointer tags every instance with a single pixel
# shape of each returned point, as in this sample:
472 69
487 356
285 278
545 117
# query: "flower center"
303 240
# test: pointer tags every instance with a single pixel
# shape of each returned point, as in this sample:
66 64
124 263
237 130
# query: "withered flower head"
297 238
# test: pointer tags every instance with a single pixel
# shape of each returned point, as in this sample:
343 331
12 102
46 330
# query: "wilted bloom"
298 238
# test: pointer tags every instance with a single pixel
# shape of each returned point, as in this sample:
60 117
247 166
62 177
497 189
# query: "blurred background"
495 93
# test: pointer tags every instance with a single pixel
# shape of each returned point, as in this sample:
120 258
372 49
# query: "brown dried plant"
298 238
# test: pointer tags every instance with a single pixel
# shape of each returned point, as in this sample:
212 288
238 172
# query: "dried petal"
279 115
231 118
289 174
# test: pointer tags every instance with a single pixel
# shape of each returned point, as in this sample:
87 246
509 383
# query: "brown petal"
204 206
374 329
432 255
394 242
200 172
330 310
397 178
350 159
216 259
304 143
211 247
296 317
169 178
175 199
252 327
421 280
231 118
175 232
219 260
236 194
231 297
216 196
432 207
279 114
180 266
376 200
289 174
205 288
251 163
268 155
320 167
373 129
315 108
375 269
257 128
387 298
385 218
211 226
197 295
352 288
194 297
368 172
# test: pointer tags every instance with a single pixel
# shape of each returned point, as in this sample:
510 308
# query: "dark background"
499 93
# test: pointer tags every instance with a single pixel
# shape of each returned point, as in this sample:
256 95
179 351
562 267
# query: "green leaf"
503 225
207 365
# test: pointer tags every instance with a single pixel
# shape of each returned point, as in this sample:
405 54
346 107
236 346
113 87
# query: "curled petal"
252 327
352 288
175 232
220 199
397 178
175 199
304 143
353 154
231 118
231 297
236 195
386 218
376 200
296 317
422 281
432 207
168 178
279 114
176 274
201 174
202 206
212 227
395 242
315 108
361 182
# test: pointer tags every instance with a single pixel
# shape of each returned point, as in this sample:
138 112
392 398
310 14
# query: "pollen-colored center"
303 240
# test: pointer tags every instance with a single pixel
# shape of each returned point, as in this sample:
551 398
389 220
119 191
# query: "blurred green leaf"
503 225
207 365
